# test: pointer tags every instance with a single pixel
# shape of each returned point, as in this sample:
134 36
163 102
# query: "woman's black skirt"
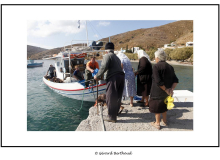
157 106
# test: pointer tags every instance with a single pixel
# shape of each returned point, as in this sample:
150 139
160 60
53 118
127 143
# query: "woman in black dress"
144 77
164 81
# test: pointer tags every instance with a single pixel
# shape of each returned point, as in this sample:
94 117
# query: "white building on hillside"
166 45
173 44
135 49
189 44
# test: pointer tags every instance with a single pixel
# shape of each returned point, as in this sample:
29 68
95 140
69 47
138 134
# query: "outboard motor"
97 46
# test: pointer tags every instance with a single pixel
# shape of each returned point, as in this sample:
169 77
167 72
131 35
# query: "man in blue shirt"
77 74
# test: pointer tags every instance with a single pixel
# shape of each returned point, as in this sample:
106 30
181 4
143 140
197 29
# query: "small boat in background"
31 64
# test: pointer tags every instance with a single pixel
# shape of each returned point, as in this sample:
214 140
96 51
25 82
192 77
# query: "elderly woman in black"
144 77
164 81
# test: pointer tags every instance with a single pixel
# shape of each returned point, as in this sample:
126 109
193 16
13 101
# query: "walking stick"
97 97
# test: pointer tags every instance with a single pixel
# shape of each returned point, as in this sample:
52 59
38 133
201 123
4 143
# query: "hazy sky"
57 33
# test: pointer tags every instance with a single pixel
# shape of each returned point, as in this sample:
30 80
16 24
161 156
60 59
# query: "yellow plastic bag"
169 102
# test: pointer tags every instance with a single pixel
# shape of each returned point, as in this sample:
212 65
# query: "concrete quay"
138 118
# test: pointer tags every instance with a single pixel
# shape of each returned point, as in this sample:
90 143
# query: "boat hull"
76 90
34 65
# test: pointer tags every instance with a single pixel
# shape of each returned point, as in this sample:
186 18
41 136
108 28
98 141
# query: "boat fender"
95 72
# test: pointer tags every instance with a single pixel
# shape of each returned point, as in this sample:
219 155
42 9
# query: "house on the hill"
189 44
172 45
166 45
135 49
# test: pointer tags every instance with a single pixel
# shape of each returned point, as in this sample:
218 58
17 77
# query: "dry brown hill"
179 32
154 37
32 50
47 53
185 38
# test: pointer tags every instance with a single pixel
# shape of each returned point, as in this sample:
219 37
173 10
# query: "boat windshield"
30 61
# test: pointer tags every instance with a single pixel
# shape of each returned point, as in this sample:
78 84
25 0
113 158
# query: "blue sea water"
49 111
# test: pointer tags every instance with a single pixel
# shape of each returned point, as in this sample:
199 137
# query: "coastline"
171 63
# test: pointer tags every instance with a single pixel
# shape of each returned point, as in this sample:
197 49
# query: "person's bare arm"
47 73
90 69
172 88
167 90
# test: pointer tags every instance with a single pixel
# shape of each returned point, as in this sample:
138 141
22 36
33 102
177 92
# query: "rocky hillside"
179 32
32 50
155 37
46 53
185 38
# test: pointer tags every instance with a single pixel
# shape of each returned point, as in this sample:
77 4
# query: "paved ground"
138 118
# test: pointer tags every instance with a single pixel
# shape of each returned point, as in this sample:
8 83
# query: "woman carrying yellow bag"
164 81
169 102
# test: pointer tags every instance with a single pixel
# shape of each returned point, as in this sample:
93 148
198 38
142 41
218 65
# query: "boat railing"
93 46
87 45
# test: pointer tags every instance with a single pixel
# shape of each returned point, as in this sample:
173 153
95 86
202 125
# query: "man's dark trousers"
114 91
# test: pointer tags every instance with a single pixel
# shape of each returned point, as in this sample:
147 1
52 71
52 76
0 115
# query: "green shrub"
135 56
151 52
181 53
132 56
128 51
168 52
191 58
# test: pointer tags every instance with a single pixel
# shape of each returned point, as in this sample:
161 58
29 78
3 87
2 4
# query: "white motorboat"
65 62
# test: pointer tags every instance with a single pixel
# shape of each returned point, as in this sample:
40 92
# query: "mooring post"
97 97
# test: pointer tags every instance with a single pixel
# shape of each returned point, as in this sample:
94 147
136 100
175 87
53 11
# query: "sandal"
121 110
155 125
164 123
131 105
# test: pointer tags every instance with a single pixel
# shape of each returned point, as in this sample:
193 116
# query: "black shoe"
140 102
108 119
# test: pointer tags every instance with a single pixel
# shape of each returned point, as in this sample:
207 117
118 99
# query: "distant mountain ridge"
32 50
179 32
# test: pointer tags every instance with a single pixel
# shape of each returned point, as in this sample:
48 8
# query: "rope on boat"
82 99
83 95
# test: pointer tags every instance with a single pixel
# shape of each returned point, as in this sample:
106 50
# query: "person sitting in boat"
61 69
90 67
52 71
77 74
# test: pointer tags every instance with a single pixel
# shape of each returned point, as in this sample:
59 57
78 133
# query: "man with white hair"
114 81
164 81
